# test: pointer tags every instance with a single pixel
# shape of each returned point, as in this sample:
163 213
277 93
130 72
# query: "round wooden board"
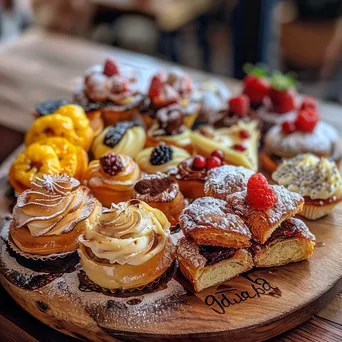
256 306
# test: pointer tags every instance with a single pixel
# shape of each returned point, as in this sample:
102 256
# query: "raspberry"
111 163
110 68
309 103
239 105
260 195
239 147
244 134
306 120
199 163
288 127
213 162
219 154
161 155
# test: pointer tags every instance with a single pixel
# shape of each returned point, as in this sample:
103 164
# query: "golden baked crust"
209 221
262 223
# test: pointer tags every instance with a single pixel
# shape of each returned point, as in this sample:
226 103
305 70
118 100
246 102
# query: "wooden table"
40 66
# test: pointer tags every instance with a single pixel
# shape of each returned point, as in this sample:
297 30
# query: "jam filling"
215 254
285 231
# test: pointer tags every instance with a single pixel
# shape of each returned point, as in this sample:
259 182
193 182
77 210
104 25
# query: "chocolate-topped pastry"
123 138
49 107
162 192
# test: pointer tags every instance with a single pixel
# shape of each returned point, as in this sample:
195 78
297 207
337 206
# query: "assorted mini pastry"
306 134
161 158
49 156
111 179
69 122
128 247
317 179
191 173
170 128
106 90
162 192
49 217
123 138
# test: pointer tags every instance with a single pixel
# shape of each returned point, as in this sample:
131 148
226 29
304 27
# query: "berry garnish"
244 134
239 147
213 162
110 68
308 103
199 163
219 154
307 120
256 85
260 195
49 107
115 133
118 84
288 127
111 163
161 155
156 85
239 105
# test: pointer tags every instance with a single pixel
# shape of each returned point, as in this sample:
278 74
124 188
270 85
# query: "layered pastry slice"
239 143
214 247
292 241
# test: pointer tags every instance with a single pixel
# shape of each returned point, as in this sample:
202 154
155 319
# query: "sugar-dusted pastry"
306 134
123 138
318 180
160 159
49 156
191 173
128 247
264 207
106 89
69 122
209 221
111 179
49 217
162 192
225 180
239 143
170 128
206 266
292 241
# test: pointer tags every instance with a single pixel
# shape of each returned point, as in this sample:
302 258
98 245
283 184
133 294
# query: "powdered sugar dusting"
189 250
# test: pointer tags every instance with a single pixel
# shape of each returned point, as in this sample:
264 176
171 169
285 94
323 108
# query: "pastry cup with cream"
111 179
128 247
318 180
49 217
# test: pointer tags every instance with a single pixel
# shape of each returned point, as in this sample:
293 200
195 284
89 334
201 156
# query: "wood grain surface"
41 66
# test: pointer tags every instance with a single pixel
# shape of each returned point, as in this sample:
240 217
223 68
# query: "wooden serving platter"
258 305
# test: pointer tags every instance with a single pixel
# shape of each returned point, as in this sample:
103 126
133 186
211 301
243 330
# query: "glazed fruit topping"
309 103
111 163
161 155
239 105
244 134
288 127
260 195
118 84
239 147
157 84
213 162
110 68
219 154
49 107
307 120
199 163
115 133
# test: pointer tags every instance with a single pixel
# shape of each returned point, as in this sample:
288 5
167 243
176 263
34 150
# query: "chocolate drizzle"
214 254
153 187
170 120
115 133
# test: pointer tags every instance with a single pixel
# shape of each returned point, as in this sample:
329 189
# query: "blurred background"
219 36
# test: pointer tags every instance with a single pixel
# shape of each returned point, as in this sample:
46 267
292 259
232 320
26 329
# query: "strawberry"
260 195
255 85
309 103
239 105
157 84
307 120
110 67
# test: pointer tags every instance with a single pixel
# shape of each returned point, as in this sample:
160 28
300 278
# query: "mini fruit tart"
162 192
105 89
69 122
318 180
161 158
50 156
170 129
111 179
123 138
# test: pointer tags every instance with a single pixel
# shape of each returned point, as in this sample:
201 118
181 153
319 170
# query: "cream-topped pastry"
49 217
128 247
161 158
318 180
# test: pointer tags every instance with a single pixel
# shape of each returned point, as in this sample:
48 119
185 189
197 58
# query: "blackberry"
115 133
49 107
161 155
111 164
